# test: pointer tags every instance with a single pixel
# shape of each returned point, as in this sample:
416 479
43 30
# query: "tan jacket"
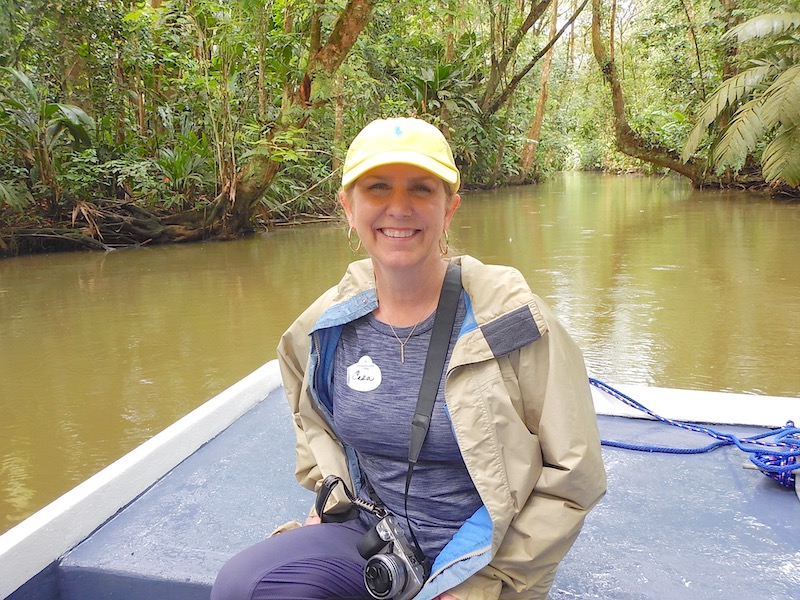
520 404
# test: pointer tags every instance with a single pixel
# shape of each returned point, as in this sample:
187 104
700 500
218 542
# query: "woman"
511 463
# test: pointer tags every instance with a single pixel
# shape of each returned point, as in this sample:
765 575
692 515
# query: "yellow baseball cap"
400 140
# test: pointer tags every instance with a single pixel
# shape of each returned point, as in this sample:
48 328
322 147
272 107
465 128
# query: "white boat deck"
671 526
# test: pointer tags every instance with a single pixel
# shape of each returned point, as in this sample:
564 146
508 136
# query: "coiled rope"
777 458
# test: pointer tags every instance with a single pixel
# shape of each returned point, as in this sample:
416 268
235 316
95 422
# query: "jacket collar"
502 312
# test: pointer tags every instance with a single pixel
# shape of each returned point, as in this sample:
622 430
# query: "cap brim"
404 157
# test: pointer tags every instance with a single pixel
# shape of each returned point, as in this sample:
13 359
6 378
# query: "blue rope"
777 459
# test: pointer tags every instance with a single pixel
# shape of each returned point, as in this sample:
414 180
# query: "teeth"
398 233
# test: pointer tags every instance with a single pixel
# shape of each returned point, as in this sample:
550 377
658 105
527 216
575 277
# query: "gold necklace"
402 343
397 337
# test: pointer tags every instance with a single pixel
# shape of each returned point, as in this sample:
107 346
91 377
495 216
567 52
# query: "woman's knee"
232 582
320 559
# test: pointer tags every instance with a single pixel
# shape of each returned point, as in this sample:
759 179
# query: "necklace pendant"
402 354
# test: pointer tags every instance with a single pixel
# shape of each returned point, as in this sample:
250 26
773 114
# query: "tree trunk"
509 51
235 206
627 140
501 149
728 14
261 45
532 143
338 122
348 27
449 55
696 45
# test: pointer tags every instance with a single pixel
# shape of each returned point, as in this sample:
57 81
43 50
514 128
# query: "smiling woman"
513 379
401 201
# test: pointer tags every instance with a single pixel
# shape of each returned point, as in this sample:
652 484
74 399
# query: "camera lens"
383 576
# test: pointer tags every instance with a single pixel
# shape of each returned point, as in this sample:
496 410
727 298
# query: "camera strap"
324 492
434 362
441 333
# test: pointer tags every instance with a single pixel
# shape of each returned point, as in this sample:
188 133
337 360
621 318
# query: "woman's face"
399 211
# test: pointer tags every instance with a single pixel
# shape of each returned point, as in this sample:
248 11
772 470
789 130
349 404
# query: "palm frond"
25 81
741 136
764 26
782 100
15 195
79 124
76 115
781 159
730 93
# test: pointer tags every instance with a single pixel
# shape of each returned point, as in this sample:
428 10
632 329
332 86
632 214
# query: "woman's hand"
445 596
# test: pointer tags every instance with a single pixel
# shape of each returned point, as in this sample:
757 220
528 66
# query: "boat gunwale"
33 545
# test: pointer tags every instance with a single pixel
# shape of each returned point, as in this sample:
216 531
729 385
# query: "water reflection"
659 284
100 352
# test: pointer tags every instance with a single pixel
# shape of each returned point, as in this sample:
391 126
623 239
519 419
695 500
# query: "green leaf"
12 103
730 93
781 159
25 81
782 99
75 115
740 137
764 26
14 195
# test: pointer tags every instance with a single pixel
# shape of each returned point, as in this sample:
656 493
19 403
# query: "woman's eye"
421 189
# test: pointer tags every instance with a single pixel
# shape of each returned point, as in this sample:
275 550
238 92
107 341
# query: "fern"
766 98
730 93
782 99
15 195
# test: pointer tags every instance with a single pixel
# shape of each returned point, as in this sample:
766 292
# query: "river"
659 284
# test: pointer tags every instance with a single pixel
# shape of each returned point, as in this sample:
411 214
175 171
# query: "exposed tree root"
107 226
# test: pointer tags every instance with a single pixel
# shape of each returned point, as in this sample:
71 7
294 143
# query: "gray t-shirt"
375 396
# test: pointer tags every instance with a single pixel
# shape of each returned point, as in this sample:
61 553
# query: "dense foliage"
169 120
766 99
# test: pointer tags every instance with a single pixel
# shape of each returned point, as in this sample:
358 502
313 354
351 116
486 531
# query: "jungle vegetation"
126 123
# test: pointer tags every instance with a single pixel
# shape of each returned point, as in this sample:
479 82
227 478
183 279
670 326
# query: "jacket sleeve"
293 352
558 409
318 452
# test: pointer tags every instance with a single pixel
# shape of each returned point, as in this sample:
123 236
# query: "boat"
159 522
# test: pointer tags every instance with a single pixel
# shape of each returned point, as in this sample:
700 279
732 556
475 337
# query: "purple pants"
315 562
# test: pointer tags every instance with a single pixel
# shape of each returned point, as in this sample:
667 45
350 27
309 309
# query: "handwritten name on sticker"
364 376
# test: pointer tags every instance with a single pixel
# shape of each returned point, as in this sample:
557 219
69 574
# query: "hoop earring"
355 248
444 249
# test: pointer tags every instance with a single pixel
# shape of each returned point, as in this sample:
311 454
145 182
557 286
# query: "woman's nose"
399 203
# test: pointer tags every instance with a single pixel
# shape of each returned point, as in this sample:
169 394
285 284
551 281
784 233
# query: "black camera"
392 569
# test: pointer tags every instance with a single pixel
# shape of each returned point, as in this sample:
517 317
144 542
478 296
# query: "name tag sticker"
364 376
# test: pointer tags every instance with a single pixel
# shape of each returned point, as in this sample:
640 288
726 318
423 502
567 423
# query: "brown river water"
659 284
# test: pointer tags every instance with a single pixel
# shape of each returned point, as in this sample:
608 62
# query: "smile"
398 233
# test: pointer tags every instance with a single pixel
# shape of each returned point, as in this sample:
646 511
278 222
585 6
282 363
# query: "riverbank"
106 225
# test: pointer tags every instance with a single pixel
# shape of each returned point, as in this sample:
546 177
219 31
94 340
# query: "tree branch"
517 79
627 140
